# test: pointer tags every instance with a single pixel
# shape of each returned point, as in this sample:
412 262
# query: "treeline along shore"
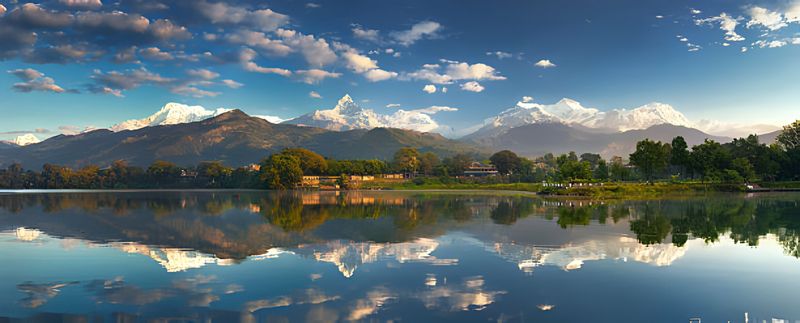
655 167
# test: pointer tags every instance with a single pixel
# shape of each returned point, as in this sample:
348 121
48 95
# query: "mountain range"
190 134
572 113
232 137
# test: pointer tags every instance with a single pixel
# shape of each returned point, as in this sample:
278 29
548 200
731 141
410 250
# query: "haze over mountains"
190 134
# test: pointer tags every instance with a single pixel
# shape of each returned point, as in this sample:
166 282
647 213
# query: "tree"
572 169
163 172
311 162
679 155
457 163
407 160
744 168
215 171
281 171
506 162
709 159
789 138
592 159
428 162
618 170
650 157
601 172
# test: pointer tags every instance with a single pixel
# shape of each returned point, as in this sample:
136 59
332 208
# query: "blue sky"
69 64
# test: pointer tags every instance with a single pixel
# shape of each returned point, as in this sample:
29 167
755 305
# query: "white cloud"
417 32
744 49
444 89
376 75
659 17
472 86
430 88
527 99
33 80
770 43
769 19
203 74
314 94
435 109
317 52
313 5
455 71
359 63
314 76
372 35
695 11
156 54
544 63
82 3
693 47
258 40
193 91
726 23
246 57
793 12
500 54
220 12
479 71
392 105
363 64
232 84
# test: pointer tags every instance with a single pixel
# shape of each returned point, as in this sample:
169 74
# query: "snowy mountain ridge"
570 112
348 115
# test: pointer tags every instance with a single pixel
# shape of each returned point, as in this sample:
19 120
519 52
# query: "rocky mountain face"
539 139
572 113
232 137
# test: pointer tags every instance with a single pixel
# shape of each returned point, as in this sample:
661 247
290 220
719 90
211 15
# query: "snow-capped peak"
26 139
171 113
348 115
643 117
571 112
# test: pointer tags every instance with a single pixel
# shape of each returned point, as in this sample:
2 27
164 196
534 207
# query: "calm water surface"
394 256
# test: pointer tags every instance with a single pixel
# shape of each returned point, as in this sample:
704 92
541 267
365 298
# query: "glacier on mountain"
348 115
171 113
571 112
26 139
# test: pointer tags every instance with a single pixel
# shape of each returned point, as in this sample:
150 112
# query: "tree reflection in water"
216 222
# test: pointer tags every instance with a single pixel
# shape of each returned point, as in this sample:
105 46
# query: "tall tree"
650 157
281 171
311 162
428 162
407 160
506 161
679 156
457 163
709 159
789 138
592 159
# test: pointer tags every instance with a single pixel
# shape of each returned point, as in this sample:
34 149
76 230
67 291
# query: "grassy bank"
606 191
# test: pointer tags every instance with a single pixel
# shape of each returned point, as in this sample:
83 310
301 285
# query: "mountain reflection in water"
211 248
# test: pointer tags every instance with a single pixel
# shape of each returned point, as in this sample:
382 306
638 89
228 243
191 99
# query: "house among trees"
477 169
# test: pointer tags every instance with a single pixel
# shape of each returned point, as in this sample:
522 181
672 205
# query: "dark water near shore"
396 256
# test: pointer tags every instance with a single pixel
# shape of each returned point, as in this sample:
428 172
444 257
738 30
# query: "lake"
254 256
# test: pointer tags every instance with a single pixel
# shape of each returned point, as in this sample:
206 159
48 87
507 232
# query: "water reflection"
429 253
